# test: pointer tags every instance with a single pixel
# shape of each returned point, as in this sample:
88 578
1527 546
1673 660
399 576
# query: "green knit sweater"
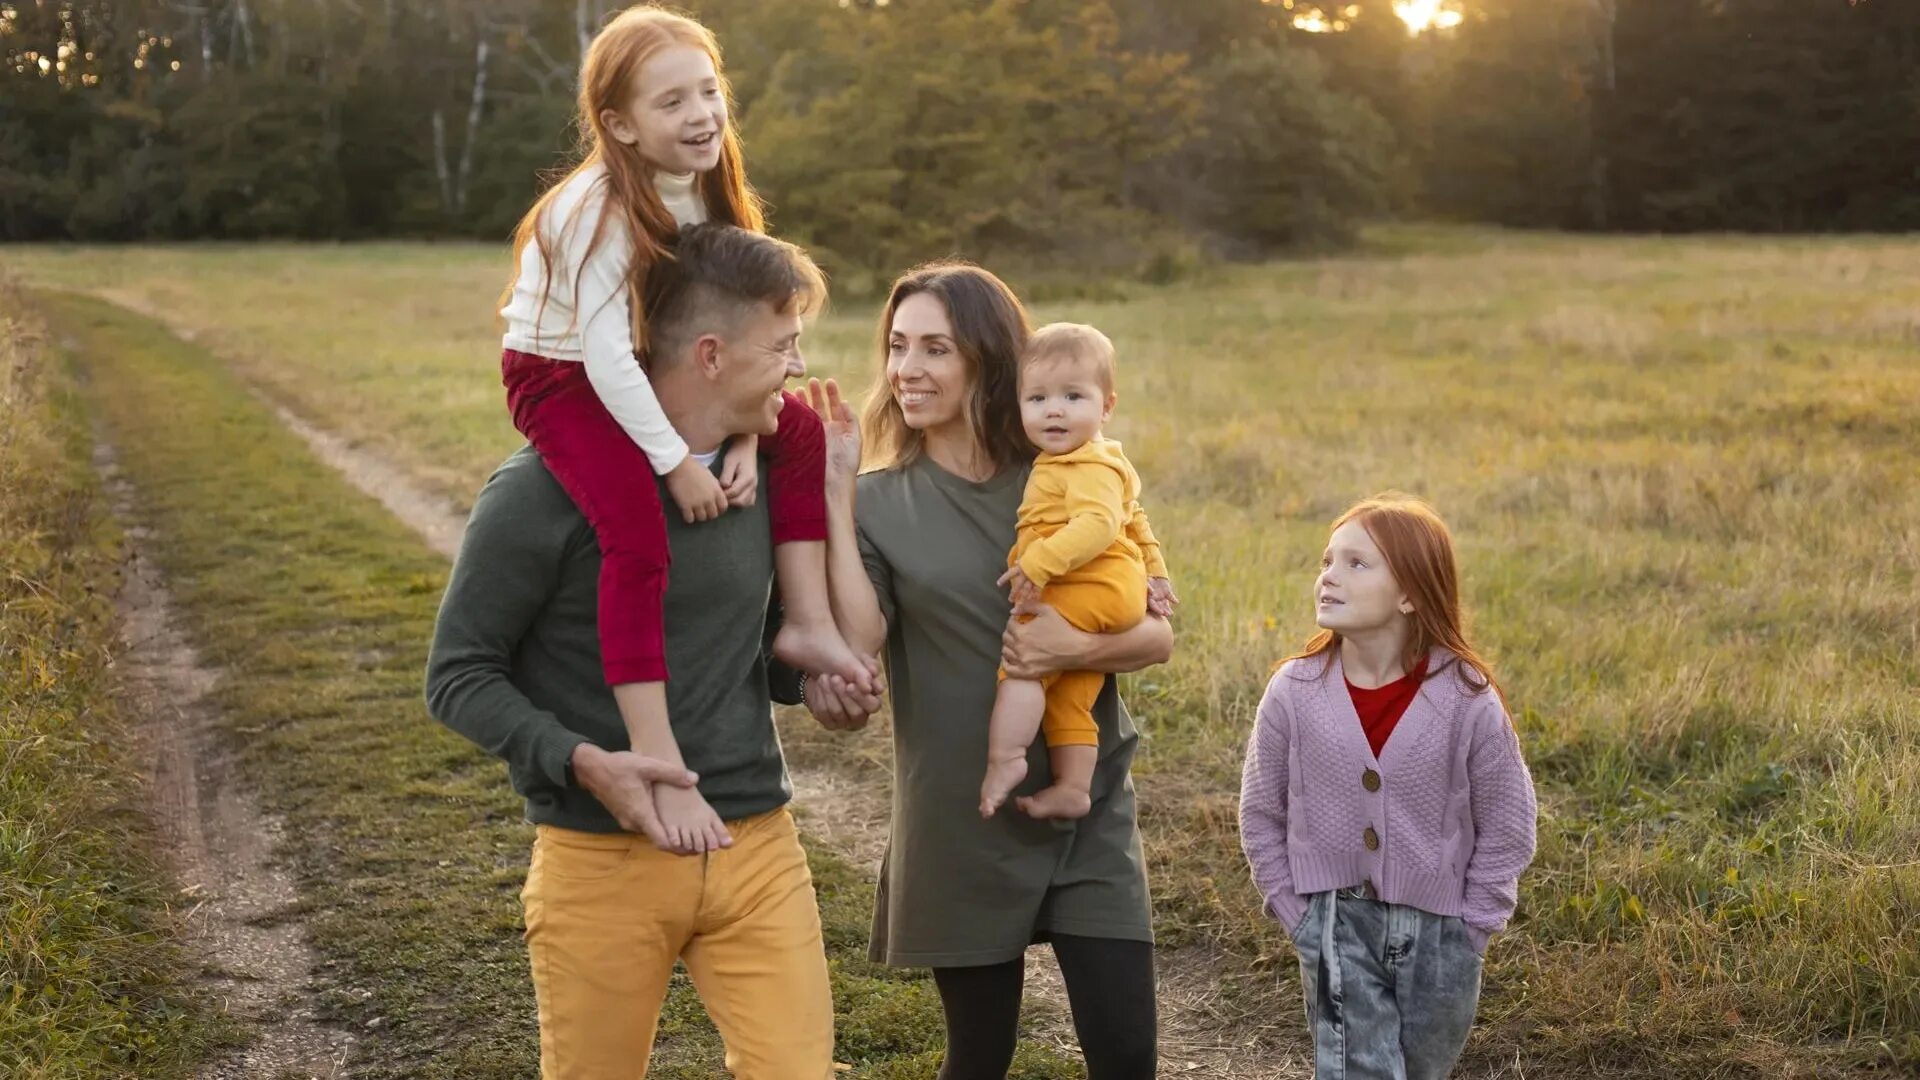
515 665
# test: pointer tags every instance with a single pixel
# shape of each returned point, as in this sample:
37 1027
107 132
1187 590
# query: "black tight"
1109 985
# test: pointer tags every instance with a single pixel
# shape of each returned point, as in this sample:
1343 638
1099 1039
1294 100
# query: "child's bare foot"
820 650
1002 777
1058 801
687 818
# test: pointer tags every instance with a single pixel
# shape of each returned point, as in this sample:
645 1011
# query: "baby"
1083 547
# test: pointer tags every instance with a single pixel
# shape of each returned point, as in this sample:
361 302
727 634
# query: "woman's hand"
1042 645
843 433
1048 643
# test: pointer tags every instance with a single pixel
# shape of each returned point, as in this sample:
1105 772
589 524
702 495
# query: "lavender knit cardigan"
1442 821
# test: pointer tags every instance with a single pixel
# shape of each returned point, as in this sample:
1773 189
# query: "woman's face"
925 370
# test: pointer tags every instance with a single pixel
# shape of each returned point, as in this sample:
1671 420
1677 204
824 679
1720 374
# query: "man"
610 902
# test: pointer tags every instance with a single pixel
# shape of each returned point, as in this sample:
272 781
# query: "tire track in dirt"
243 913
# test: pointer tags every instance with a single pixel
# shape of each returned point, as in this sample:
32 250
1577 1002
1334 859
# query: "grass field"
1683 477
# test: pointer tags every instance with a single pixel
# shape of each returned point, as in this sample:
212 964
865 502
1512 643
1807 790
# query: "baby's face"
1063 404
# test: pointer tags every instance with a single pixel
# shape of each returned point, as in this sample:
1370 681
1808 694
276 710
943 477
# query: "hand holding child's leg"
1017 709
686 815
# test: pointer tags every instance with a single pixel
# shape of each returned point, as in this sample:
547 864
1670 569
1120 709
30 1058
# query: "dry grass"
1683 478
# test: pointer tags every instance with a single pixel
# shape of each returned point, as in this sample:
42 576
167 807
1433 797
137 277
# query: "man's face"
758 355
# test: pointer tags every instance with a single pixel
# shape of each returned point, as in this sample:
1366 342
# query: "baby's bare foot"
1002 777
1057 801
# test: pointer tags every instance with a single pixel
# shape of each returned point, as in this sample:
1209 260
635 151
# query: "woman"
933 521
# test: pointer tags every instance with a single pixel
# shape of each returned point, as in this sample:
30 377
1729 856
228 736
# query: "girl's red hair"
1419 553
607 77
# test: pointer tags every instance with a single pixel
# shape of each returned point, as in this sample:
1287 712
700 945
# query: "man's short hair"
715 273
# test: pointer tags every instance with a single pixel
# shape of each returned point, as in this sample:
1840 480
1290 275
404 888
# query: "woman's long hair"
607 78
990 330
1419 553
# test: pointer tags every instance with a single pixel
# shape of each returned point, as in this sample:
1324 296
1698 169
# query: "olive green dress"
957 891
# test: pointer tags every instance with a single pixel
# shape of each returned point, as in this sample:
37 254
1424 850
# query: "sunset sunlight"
1422 15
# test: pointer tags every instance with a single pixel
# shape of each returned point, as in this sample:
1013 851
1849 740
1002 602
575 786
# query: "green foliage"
263 159
1765 115
1048 133
1292 162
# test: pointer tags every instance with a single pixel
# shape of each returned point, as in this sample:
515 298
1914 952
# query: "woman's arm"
856 606
1048 643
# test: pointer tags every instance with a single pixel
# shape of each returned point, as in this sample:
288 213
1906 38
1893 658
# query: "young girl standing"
1385 807
660 154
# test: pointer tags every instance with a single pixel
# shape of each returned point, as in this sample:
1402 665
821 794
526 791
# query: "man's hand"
740 471
1042 645
838 704
699 496
623 782
1160 597
1022 589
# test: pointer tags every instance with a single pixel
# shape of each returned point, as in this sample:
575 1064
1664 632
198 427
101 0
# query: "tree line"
1115 135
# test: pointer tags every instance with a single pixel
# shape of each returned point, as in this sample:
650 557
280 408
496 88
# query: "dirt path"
243 913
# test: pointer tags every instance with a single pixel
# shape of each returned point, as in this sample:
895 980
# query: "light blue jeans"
1390 990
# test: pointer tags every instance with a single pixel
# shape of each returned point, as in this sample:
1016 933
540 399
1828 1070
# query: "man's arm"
509 566
851 577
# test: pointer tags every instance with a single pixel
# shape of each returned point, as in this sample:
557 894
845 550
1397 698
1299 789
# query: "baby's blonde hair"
1075 342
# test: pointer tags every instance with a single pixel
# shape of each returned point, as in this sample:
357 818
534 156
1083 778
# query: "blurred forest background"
1128 137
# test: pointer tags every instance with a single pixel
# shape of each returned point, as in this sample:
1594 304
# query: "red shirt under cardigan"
1381 707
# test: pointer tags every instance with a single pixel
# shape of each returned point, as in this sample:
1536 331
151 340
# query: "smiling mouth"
1328 601
702 141
911 398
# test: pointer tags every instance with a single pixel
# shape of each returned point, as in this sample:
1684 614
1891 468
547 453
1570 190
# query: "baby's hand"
699 496
1160 598
740 471
1023 588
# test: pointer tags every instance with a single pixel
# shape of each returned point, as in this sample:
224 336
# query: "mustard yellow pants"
607 916
1105 596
